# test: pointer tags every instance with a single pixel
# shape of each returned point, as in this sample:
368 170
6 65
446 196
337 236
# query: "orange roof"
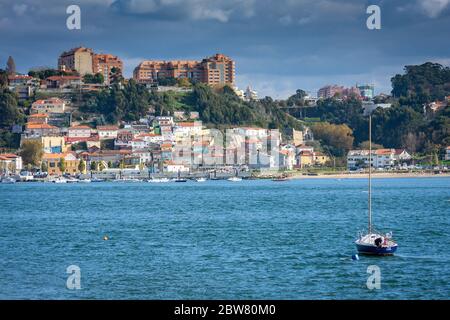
8 155
50 156
40 126
38 115
186 124
49 100
383 151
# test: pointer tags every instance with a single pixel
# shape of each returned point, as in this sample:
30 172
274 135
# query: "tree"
110 164
337 139
101 166
93 166
365 146
31 152
122 164
9 112
184 82
82 166
44 167
115 76
10 66
94 78
62 165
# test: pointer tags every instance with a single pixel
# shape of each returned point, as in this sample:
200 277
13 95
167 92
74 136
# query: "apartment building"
104 63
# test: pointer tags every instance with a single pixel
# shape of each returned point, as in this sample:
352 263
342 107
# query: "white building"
447 153
137 144
381 158
369 107
79 132
250 94
107 132
10 163
51 105
187 129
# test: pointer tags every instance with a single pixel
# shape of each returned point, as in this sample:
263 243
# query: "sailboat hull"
374 250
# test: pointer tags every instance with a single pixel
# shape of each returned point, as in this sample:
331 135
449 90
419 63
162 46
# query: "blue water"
222 240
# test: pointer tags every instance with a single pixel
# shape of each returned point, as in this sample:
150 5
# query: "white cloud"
433 7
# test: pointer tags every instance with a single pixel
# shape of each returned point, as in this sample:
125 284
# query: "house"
61 82
53 144
401 155
305 158
187 129
320 159
107 132
447 153
123 140
80 131
51 105
38 118
53 160
10 163
138 144
41 129
151 138
144 156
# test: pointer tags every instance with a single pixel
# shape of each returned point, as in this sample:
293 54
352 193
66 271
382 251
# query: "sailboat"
373 242
179 179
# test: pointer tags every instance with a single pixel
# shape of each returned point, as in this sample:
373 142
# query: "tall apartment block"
77 59
216 70
103 63
85 61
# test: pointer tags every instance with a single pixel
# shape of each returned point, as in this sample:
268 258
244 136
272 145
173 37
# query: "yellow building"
320 158
52 160
305 159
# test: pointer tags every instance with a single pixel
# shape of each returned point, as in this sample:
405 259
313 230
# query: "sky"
279 46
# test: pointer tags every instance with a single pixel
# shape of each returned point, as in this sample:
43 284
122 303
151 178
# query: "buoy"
105 238
355 257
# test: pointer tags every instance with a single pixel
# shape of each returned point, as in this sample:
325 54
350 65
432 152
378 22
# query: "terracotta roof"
49 100
40 126
9 155
38 115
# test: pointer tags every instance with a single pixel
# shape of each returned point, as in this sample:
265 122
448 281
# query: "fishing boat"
8 180
179 179
59 180
97 180
234 179
373 242
201 179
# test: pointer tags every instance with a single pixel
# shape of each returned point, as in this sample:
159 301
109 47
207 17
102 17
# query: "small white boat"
59 180
159 180
201 180
96 180
84 181
234 179
72 180
8 180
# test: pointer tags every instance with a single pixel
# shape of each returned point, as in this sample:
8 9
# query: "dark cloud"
278 45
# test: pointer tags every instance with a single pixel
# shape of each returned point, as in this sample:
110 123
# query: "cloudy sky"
278 45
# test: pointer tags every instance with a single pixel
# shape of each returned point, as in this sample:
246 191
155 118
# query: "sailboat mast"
370 173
